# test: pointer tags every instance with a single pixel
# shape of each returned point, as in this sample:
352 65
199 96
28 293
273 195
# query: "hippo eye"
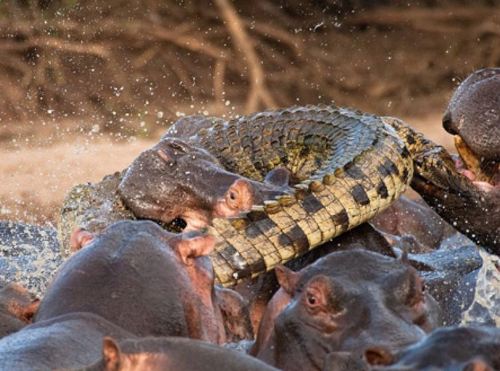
311 299
232 196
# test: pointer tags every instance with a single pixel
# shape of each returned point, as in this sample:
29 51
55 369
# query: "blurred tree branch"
258 90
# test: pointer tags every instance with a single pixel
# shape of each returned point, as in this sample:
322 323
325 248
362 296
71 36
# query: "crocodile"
346 166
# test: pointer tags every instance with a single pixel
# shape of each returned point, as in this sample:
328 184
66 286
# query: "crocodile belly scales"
348 167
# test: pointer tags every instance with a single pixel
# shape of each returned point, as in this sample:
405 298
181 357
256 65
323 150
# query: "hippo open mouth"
485 175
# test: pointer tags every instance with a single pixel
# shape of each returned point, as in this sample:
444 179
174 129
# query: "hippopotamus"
145 280
17 307
188 126
448 261
69 341
450 276
344 302
172 354
179 185
259 291
451 348
471 203
473 114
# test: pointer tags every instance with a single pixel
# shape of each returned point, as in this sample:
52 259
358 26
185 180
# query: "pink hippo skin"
147 281
344 302
17 307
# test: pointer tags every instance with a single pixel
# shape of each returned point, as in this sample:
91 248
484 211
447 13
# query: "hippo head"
474 113
175 180
149 281
449 348
473 116
344 302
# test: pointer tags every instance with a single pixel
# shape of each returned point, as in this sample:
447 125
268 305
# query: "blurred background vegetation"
76 75
117 62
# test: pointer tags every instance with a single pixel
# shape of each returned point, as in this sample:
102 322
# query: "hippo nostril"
447 123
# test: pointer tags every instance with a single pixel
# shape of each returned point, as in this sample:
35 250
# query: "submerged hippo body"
413 225
173 354
450 276
342 303
448 261
65 342
453 348
146 280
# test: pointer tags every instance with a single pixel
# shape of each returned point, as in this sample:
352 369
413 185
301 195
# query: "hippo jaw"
484 174
473 117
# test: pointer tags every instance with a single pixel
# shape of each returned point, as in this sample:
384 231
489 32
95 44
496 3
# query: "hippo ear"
28 312
378 356
189 247
111 354
477 364
80 238
20 302
286 278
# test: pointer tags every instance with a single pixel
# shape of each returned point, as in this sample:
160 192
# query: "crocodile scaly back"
348 166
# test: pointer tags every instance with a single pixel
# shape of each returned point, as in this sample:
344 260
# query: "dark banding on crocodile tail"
349 166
